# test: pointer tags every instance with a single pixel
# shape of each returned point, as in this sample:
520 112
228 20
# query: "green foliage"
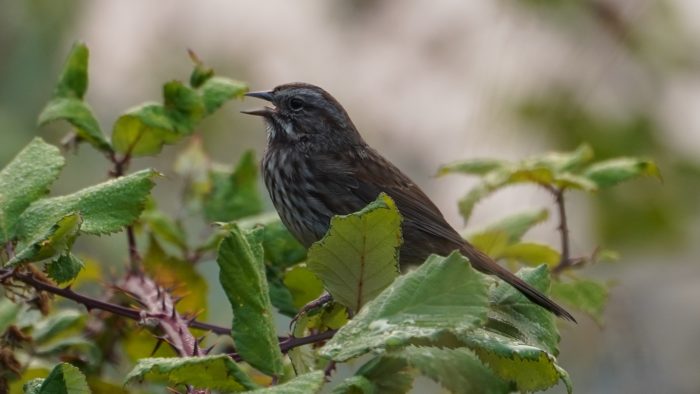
310 383
442 295
213 372
557 171
358 257
55 241
25 179
63 379
242 276
586 295
234 195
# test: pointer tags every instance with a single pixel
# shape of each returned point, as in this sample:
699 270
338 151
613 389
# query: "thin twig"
563 228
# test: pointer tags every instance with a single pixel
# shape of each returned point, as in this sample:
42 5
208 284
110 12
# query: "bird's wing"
363 178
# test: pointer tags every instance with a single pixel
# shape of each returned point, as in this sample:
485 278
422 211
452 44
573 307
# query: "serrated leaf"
242 275
26 178
217 90
55 241
179 275
611 172
443 295
530 368
513 315
79 114
105 208
457 370
64 268
214 372
73 81
472 166
63 379
358 256
309 383
532 254
143 130
234 195
585 295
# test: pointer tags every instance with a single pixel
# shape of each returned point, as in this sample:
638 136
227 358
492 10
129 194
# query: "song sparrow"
317 165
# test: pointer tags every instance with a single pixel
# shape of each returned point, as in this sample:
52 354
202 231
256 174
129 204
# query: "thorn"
162 303
158 291
174 314
195 349
179 330
201 339
177 299
155 348
208 350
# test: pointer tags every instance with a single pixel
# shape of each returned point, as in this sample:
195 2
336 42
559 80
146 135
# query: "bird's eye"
296 104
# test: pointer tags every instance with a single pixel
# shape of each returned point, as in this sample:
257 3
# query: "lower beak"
266 112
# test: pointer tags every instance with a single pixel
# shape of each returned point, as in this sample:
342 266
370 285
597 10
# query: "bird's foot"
320 302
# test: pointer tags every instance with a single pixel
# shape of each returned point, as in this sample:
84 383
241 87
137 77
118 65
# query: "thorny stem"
563 228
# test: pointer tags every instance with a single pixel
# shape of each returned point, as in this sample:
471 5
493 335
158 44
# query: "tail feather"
485 264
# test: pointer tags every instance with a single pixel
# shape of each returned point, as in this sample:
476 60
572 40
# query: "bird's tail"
485 264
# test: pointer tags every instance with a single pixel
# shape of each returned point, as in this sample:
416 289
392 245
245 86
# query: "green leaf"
164 228
63 379
79 114
214 372
73 81
358 256
73 348
309 383
571 181
530 368
55 241
585 295
303 284
33 386
183 104
56 323
105 208
472 166
611 172
282 250
517 225
532 254
386 375
493 243
457 370
242 275
64 268
26 178
443 295
234 195
565 161
217 90
513 315
143 130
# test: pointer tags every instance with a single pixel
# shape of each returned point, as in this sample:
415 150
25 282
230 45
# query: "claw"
324 299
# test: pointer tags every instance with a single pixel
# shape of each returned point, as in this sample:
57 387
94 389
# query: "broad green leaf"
63 379
565 161
26 178
472 166
493 243
443 295
387 374
515 316
234 195
105 208
73 81
242 275
585 295
309 383
214 372
55 241
8 313
282 250
303 284
457 370
64 268
532 254
611 172
358 256
55 324
183 105
280 297
217 90
571 181
164 228
79 114
201 73
530 368
179 275
517 225
143 130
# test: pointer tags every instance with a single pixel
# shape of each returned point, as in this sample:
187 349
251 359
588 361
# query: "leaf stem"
563 229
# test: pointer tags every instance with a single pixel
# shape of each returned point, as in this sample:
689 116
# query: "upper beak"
265 95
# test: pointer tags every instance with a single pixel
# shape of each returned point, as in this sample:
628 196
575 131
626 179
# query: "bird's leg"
321 301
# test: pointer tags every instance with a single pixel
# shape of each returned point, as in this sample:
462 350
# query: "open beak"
266 111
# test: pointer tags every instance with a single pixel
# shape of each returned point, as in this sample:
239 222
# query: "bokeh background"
428 83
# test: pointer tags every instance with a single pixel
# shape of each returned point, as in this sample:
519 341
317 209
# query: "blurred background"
429 83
